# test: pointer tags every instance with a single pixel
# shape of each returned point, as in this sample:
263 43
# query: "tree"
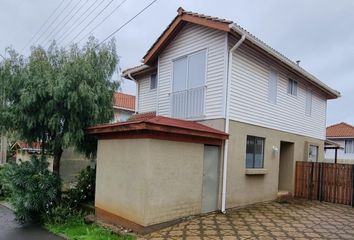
59 93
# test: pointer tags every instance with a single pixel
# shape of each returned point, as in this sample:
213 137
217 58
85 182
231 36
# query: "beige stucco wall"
149 181
245 189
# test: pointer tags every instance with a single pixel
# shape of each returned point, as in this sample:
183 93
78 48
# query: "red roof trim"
159 127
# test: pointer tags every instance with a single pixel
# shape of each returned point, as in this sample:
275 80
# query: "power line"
103 20
42 26
58 25
63 37
91 21
127 22
66 6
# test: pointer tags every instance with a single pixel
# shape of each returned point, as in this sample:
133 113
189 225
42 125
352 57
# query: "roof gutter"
227 121
136 93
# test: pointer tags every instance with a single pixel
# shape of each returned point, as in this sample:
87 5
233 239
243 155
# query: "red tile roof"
142 116
340 130
156 125
26 146
124 101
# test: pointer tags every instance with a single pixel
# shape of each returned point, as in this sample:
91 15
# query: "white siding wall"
190 39
249 97
329 154
147 97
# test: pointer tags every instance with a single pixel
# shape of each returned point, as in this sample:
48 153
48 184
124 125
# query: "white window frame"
151 88
349 143
188 56
293 86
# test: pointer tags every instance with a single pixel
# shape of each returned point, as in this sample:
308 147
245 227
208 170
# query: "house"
222 119
343 135
123 105
71 163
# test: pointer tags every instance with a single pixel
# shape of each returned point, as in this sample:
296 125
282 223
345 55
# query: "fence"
327 182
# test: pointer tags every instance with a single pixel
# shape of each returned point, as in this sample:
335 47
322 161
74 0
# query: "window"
153 81
313 153
308 107
189 72
255 152
272 86
188 86
349 146
292 87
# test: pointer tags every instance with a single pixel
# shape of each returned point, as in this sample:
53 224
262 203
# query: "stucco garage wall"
174 180
245 189
149 181
120 177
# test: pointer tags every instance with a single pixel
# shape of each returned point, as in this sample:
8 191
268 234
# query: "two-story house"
207 71
343 135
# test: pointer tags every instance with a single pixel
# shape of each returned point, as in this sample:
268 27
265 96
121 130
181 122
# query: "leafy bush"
4 192
33 188
84 190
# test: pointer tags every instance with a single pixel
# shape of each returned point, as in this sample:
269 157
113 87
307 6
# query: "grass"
75 229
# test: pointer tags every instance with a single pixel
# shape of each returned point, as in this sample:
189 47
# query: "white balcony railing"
188 104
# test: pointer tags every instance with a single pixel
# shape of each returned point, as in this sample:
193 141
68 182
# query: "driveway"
297 220
10 230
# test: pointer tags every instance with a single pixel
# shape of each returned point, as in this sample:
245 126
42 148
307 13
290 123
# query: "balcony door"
188 86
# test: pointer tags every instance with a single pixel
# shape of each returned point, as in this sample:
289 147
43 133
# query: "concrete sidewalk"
11 230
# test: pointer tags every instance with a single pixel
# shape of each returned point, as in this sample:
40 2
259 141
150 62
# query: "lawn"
75 229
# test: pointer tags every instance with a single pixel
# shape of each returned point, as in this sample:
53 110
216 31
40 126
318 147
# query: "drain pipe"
227 122
136 93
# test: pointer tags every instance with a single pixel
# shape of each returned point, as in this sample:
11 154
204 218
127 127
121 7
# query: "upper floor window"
255 152
292 87
349 146
272 86
188 86
308 104
153 81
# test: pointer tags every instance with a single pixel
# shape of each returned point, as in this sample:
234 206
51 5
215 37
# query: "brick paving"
296 220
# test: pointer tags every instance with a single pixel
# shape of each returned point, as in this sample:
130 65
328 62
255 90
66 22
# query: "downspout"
136 94
227 122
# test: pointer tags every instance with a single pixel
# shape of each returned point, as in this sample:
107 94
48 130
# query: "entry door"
210 179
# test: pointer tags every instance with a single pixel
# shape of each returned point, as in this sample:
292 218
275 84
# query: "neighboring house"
124 106
71 163
3 149
233 116
343 135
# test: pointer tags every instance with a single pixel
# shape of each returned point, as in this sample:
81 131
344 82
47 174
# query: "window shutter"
272 86
308 106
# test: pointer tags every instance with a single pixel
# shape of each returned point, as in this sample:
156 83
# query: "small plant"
84 190
33 188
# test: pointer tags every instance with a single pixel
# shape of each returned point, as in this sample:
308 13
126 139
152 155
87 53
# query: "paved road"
10 230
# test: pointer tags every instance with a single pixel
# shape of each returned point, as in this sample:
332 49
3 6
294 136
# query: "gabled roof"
340 130
124 101
224 25
159 127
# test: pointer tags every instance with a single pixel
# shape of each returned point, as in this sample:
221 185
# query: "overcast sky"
319 33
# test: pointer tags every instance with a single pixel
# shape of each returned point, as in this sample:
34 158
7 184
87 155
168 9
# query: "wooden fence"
327 182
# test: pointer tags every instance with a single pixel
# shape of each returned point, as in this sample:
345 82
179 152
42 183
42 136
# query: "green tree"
58 93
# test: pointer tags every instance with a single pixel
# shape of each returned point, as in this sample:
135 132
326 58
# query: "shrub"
84 190
33 188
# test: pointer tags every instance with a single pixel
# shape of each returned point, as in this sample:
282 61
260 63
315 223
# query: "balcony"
188 104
